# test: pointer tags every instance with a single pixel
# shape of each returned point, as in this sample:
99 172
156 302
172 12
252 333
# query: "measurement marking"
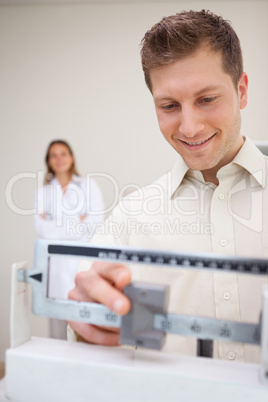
225 331
166 325
196 328
147 259
85 313
111 317
255 266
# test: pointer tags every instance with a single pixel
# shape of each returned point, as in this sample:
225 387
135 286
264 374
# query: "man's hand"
103 283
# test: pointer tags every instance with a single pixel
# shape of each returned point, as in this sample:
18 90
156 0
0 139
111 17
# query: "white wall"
73 71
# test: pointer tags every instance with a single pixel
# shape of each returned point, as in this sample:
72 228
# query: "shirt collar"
177 175
75 179
249 157
252 159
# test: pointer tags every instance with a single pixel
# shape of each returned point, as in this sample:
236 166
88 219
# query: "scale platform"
46 370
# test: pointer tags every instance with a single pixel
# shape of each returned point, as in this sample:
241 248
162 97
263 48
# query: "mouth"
199 144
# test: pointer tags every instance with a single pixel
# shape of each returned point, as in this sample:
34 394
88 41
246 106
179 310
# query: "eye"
208 99
169 107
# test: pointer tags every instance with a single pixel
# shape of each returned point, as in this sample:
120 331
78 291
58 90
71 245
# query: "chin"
200 166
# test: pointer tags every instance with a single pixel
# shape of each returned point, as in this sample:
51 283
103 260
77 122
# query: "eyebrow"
197 93
209 88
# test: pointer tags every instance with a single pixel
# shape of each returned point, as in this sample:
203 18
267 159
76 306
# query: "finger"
96 288
103 284
118 274
109 329
79 294
96 335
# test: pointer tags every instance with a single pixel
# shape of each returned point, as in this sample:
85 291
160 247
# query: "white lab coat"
63 211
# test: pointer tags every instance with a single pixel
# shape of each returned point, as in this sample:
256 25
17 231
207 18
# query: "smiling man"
212 201
202 122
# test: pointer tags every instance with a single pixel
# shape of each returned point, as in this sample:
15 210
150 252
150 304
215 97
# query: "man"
212 201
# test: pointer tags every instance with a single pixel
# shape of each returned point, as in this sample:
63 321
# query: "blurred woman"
69 207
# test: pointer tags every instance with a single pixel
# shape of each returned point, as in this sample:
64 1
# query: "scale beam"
148 321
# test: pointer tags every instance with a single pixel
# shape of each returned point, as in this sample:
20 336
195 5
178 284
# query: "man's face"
198 110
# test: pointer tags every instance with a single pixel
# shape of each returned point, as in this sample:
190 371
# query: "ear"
243 90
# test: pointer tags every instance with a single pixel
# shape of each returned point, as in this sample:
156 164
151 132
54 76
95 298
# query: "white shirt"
182 212
62 220
63 210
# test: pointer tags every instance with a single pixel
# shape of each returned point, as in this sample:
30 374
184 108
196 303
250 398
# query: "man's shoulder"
161 184
164 184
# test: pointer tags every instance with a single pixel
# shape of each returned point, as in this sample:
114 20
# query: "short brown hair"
182 34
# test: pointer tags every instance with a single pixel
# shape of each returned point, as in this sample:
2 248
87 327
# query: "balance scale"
48 370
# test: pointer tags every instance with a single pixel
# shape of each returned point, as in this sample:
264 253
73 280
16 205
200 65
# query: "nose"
190 122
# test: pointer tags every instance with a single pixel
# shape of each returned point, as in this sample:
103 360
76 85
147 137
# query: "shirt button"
223 242
231 355
226 295
221 196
